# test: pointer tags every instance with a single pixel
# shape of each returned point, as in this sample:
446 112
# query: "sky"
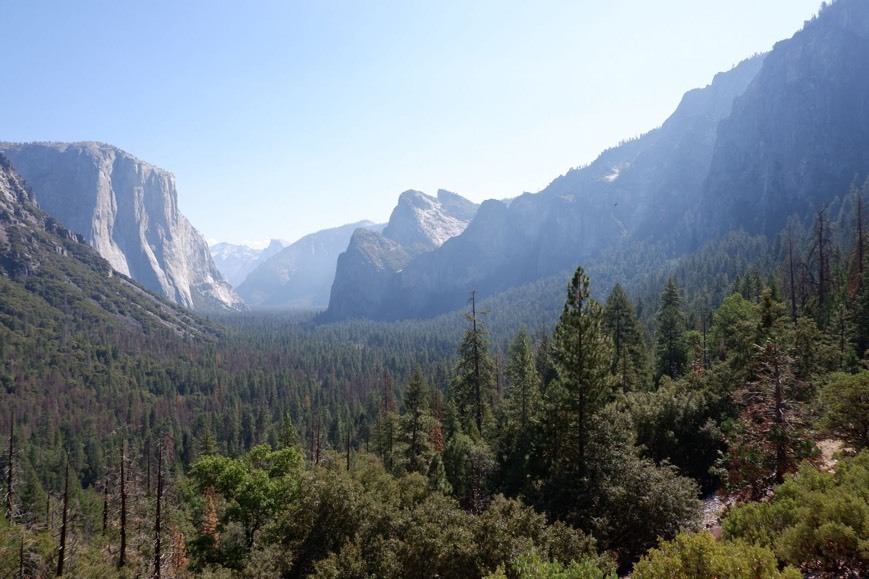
280 118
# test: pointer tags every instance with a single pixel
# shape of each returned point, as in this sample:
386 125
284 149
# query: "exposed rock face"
300 275
779 135
370 267
128 211
799 136
235 262
644 189
420 222
54 274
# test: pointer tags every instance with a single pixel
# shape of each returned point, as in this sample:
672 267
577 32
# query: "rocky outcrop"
370 267
644 189
420 222
799 136
363 275
300 275
128 211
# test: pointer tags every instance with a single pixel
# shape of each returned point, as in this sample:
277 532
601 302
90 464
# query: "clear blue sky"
279 118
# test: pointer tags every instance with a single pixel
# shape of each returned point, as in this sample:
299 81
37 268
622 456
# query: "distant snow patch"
614 173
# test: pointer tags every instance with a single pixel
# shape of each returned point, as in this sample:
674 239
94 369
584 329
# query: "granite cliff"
128 211
780 135
370 266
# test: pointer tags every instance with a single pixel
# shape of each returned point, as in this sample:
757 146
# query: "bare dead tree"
158 520
61 552
106 504
9 466
122 553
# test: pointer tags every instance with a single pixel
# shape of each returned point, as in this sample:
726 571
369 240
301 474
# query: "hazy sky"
284 117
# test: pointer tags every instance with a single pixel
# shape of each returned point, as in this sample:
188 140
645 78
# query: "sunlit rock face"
128 211
373 262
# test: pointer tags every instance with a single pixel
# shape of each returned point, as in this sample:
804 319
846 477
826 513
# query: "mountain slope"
642 189
51 277
128 211
799 136
368 269
235 262
301 274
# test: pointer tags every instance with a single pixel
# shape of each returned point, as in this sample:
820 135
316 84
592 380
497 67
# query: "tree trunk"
122 553
158 520
9 467
61 552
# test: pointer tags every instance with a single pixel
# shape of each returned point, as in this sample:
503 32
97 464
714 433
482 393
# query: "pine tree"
582 353
521 409
61 551
770 438
820 260
158 515
386 424
415 423
9 467
289 436
472 388
629 347
122 551
671 348
523 397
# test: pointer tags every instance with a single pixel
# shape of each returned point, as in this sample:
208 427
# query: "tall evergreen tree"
415 423
582 352
822 246
386 424
670 345
629 347
521 409
473 387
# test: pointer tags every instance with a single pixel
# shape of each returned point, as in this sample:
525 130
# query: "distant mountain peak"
421 222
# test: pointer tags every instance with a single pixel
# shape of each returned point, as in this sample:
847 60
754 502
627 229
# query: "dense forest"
592 424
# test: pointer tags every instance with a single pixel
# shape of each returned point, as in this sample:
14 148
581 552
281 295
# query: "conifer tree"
582 353
671 348
521 408
629 347
415 423
61 551
523 396
122 551
9 465
472 388
386 424
770 439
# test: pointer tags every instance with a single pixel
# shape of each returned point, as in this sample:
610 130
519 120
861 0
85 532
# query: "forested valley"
584 426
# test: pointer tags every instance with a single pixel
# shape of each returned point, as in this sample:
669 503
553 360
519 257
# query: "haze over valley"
655 364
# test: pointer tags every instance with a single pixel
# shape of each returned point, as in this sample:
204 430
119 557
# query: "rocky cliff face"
50 275
370 267
799 136
643 189
300 275
128 211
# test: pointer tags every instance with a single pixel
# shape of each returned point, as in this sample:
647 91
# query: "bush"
699 556
845 402
817 521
